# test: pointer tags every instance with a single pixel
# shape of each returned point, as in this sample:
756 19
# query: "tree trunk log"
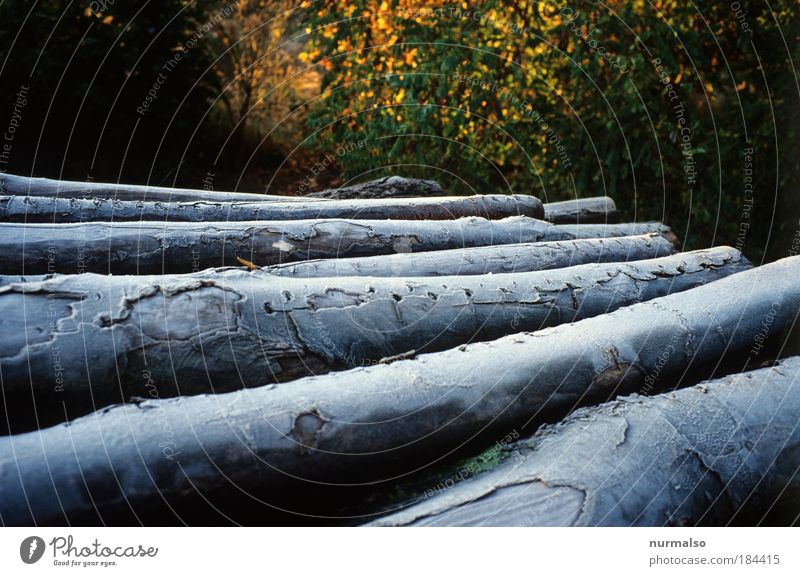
500 259
178 247
390 187
38 209
382 188
614 230
710 455
23 186
77 343
601 209
196 452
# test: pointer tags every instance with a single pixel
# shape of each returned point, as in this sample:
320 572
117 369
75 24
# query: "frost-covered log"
624 229
503 258
79 342
393 186
486 260
582 210
361 425
57 210
712 454
389 187
178 247
23 186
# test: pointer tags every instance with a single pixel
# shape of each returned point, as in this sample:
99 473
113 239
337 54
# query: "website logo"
31 550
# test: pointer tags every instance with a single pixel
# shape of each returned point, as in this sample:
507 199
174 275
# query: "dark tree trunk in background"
359 425
178 247
77 343
714 453
38 209
485 260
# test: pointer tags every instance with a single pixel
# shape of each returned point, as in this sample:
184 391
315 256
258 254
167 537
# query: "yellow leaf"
246 263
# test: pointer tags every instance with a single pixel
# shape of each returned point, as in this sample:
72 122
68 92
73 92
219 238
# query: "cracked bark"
389 187
79 342
713 454
485 260
361 425
39 209
601 209
23 186
177 247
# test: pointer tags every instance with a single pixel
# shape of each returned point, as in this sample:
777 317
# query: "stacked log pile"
173 356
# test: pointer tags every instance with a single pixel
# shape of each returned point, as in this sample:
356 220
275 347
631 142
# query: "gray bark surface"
613 230
77 343
40 209
178 247
6 280
601 209
501 259
23 186
389 187
358 425
706 455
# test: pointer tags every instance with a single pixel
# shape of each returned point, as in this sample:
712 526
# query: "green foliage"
557 100
432 88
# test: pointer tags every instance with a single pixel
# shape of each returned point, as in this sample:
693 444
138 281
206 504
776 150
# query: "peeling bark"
713 454
500 259
77 343
192 453
178 247
601 209
389 187
39 209
23 186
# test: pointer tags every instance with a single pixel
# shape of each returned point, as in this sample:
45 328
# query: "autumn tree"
656 103
263 80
